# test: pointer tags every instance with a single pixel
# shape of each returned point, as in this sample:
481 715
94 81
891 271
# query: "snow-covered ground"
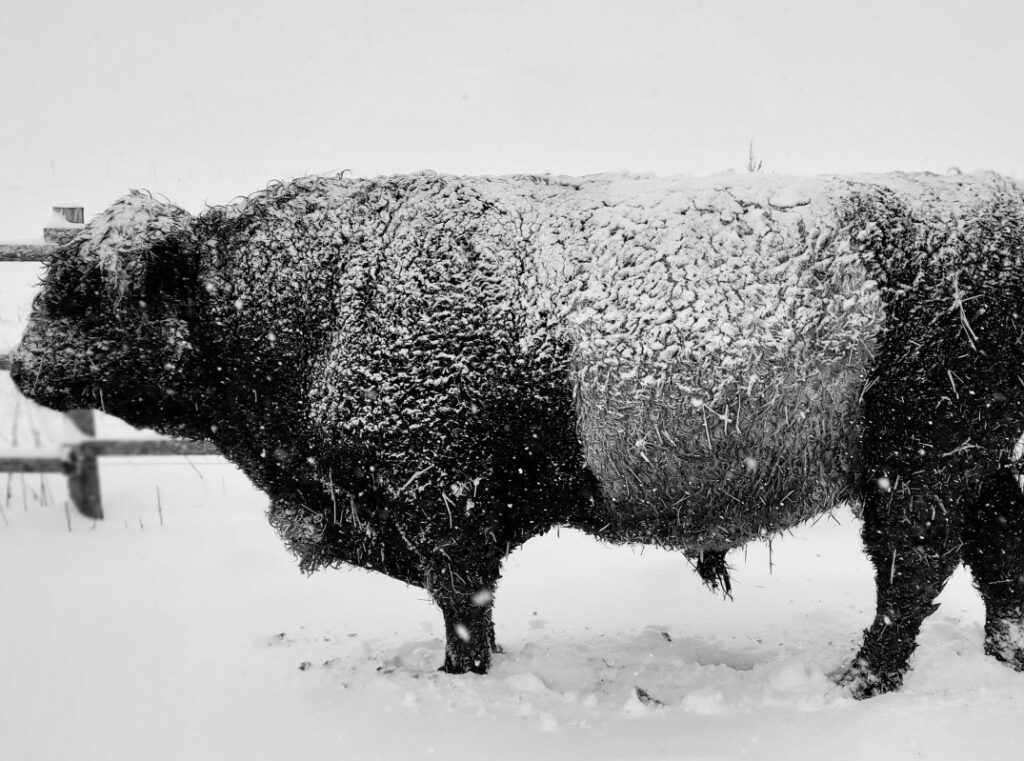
179 628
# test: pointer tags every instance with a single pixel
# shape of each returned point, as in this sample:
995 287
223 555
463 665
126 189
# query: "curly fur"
425 371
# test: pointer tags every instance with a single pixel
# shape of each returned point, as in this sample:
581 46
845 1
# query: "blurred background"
204 100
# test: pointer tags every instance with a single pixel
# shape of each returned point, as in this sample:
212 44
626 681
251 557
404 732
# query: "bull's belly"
678 469
709 503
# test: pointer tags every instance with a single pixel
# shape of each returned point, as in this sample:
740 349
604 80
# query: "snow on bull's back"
702 273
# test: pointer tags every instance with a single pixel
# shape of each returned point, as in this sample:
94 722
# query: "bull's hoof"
465 665
1004 641
472 657
861 681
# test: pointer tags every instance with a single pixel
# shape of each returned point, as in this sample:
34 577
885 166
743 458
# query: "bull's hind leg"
994 551
910 538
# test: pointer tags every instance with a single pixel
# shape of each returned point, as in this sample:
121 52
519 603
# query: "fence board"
25 252
33 461
84 478
145 447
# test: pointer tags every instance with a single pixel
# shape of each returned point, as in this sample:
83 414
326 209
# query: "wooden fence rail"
26 252
79 461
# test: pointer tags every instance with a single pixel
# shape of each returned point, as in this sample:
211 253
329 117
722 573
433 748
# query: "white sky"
201 101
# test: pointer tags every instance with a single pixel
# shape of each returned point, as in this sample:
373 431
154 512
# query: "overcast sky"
202 101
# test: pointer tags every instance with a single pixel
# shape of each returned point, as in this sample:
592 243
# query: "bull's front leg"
464 591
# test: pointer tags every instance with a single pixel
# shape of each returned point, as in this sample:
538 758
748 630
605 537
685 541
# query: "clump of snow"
57 220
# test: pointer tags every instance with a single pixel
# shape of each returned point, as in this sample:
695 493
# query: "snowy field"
179 628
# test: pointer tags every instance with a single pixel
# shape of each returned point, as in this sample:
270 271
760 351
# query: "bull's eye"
71 293
71 305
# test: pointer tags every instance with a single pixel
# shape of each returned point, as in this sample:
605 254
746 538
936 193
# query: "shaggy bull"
423 372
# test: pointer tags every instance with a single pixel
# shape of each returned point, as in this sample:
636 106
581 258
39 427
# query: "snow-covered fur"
425 371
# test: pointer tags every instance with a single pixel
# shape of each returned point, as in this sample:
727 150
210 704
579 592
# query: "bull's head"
110 327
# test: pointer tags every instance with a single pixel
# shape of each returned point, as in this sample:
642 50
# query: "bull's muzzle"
17 368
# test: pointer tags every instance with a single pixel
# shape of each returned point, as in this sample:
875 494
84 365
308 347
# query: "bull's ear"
142 246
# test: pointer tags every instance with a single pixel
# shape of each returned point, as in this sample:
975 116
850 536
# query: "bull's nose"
13 363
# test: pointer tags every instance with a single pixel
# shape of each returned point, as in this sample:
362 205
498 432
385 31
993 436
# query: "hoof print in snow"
640 704
645 697
861 683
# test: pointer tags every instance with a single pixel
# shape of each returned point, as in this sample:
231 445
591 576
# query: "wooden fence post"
84 478
73 216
